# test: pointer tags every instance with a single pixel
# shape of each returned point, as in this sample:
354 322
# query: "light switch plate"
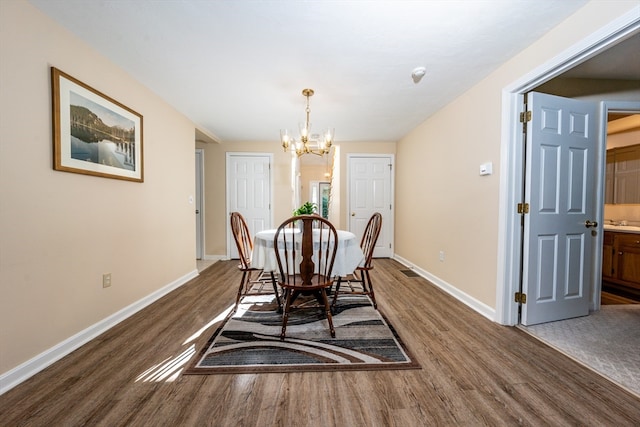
486 168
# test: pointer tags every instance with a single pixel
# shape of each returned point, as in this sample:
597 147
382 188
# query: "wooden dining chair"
305 247
249 285
368 244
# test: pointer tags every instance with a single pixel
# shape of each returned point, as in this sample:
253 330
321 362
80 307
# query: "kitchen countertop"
622 228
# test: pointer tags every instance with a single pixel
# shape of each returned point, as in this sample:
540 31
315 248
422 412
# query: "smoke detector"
417 74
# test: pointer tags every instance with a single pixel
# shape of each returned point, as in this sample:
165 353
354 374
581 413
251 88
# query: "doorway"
511 192
622 198
312 180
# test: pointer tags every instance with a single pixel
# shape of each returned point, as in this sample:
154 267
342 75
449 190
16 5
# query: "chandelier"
307 143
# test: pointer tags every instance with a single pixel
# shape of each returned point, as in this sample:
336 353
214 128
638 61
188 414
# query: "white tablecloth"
348 257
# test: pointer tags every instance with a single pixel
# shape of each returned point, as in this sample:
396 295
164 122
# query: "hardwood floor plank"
474 372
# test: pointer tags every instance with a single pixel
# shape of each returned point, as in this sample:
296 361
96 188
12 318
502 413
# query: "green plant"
307 209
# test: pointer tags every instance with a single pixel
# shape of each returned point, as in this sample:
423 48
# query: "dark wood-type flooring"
474 372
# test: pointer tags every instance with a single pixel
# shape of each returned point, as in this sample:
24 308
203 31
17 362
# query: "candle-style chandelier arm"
303 145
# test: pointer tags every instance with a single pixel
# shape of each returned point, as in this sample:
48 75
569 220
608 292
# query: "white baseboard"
12 378
480 307
215 257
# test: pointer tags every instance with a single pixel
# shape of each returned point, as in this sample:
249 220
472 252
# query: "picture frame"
325 194
93 134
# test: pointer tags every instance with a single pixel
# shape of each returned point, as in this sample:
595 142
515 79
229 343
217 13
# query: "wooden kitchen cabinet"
621 259
622 175
607 255
628 247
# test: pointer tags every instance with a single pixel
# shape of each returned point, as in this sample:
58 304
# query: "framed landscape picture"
94 134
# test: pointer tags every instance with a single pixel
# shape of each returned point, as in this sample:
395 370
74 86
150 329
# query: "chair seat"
248 268
317 282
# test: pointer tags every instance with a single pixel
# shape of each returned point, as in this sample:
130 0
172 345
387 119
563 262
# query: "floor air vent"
409 273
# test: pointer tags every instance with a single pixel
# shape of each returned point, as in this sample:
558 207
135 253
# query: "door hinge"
523 208
525 116
521 298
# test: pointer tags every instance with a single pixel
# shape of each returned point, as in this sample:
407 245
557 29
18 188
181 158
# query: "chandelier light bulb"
285 138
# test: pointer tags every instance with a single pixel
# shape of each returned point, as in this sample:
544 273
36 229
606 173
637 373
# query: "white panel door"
560 189
248 192
199 203
370 187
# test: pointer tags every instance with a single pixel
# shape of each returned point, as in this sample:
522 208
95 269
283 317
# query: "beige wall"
215 187
59 231
441 201
629 213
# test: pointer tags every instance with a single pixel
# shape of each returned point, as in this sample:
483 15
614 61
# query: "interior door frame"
512 155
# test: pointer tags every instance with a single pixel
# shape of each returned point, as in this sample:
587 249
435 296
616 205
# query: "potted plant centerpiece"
307 209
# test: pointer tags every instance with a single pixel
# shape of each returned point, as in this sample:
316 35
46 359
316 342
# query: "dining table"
349 255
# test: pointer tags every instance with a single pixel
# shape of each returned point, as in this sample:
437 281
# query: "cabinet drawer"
631 240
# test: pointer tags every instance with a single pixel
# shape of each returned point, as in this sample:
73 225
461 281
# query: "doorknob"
590 224
353 214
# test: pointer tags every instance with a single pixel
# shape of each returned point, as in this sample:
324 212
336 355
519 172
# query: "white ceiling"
237 68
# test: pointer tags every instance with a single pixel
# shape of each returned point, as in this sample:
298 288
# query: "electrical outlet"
106 280
441 256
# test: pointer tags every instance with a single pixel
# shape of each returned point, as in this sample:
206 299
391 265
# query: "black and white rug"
249 341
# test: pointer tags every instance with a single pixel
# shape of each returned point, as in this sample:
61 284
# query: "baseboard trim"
215 257
468 300
12 378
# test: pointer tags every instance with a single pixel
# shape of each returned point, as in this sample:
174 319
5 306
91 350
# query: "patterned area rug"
249 341
607 341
